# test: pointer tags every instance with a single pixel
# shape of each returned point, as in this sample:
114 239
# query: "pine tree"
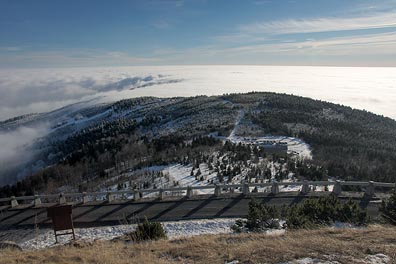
388 210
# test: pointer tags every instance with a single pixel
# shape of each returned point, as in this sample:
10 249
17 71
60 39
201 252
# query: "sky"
74 33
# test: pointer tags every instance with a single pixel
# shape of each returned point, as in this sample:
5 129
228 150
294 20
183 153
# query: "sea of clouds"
41 90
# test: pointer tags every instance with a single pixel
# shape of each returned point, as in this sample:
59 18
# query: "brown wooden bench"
62 220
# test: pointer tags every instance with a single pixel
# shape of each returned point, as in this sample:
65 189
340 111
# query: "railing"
218 189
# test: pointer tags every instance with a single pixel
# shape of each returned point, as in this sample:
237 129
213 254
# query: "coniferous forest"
134 134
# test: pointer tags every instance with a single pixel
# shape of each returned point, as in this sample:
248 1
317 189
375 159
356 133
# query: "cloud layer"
25 91
15 150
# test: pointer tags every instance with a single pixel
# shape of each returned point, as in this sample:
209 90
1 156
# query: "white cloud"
10 49
324 24
268 39
238 38
373 44
261 2
33 91
167 3
371 49
15 151
161 24
34 107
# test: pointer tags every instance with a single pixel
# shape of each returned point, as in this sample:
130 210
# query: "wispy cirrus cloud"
353 50
166 3
261 2
238 38
371 32
10 49
321 24
382 43
161 24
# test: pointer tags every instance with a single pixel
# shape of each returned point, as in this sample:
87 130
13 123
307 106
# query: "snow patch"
370 259
175 229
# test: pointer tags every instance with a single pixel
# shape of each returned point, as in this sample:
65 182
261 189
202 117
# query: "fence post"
275 188
305 187
217 191
245 189
14 202
161 194
337 188
109 197
37 200
84 198
62 199
370 190
189 192
136 195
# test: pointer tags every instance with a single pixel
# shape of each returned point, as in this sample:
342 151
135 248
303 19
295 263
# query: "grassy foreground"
344 245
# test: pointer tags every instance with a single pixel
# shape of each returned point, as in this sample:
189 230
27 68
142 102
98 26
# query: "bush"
325 211
260 217
148 231
388 210
239 226
351 212
311 213
330 209
321 211
296 220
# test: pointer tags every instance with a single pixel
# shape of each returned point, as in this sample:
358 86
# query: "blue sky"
54 33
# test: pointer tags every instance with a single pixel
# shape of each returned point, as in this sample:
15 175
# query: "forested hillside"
133 134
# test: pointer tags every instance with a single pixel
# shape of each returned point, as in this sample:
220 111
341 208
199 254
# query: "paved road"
120 212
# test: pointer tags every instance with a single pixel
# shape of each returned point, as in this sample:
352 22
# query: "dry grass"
343 245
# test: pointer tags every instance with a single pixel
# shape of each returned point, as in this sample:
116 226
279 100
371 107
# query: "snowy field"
175 229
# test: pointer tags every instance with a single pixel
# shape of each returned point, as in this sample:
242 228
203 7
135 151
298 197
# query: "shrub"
388 210
260 217
311 213
148 231
295 220
239 226
325 211
321 211
351 212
